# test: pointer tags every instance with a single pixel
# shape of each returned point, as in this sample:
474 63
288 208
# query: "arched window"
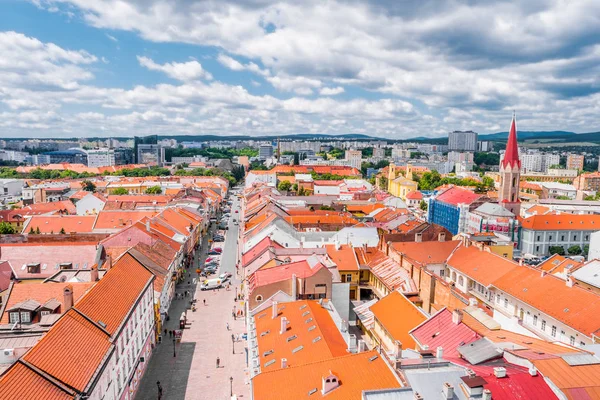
461 280
259 298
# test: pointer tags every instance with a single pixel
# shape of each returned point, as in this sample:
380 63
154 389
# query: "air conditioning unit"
500 372
9 352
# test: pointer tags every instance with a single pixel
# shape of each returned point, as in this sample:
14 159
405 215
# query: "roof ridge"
48 377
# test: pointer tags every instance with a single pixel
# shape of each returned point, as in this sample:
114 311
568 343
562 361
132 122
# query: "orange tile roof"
282 272
409 225
344 257
331 344
109 219
426 252
21 382
398 315
573 306
538 210
414 195
480 265
159 199
72 351
562 222
54 223
116 293
290 178
356 373
557 264
42 292
364 208
576 382
321 219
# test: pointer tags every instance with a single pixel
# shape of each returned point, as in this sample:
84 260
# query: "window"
461 280
581 343
572 340
535 320
497 298
543 325
505 302
587 237
33 268
550 238
14 317
25 316
562 238
537 248
538 238
575 237
44 312
259 298
442 273
348 277
553 331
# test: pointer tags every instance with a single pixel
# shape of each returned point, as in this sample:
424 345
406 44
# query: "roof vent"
312 328
291 338
271 362
102 324
315 340
297 349
312 391
373 358
265 333
308 320
500 372
268 353
305 313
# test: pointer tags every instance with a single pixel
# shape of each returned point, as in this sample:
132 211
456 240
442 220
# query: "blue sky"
256 67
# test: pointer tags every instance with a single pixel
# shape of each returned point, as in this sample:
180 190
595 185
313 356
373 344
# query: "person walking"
160 390
218 362
204 300
228 326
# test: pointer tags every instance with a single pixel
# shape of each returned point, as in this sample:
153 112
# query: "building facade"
510 169
462 141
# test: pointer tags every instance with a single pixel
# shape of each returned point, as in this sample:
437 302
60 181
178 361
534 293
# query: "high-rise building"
575 161
462 141
147 150
265 151
510 173
379 152
101 157
354 158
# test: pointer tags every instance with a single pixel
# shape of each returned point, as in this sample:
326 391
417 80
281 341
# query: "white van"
209 284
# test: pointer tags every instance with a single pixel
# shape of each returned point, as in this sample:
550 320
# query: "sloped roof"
115 294
573 306
71 351
398 315
21 382
55 223
344 257
480 265
580 382
427 252
356 373
457 195
115 220
556 222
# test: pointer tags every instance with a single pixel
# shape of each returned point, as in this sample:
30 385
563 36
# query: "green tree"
586 248
153 190
295 187
574 250
6 228
239 172
37 230
31 231
556 250
120 191
423 205
562 198
88 186
62 231
326 208
284 186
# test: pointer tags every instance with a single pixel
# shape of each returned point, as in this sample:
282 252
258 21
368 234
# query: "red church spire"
511 156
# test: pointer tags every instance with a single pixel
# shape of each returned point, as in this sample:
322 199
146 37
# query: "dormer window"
330 383
33 268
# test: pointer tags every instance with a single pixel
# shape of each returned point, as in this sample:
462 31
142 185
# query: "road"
192 373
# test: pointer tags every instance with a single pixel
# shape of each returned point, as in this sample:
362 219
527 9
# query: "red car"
217 249
209 259
236 211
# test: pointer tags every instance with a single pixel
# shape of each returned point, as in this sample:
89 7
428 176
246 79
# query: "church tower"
510 173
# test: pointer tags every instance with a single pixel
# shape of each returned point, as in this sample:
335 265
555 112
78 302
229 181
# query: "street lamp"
231 386
174 341
233 343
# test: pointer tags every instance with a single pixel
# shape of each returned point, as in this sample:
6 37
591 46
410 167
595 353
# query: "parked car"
217 249
211 284
211 269
210 259
214 253
236 211
225 276
218 239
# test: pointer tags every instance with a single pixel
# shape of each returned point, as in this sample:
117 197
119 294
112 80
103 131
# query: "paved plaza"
192 373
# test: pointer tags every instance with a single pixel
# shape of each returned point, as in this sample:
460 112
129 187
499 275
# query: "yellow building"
402 185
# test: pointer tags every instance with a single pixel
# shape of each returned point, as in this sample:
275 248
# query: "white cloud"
327 91
187 71
111 37
297 84
235 65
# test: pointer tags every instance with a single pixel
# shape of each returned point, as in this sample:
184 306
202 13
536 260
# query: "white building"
462 141
101 157
91 204
265 151
267 177
354 158
10 189
557 189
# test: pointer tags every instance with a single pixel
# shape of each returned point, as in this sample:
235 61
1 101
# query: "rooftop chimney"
94 274
274 310
457 316
570 281
148 225
67 298
418 237
439 352
487 394
442 237
284 363
398 349
448 391
330 383
284 324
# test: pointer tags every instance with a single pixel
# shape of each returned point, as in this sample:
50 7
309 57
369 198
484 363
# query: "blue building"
450 209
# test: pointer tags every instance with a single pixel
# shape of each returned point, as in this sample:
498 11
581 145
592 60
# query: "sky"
387 68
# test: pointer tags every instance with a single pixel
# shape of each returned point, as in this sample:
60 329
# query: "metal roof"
580 359
480 351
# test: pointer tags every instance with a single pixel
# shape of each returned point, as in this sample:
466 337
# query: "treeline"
433 179
210 152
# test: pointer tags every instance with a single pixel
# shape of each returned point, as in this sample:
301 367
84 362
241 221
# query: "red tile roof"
72 351
414 195
426 252
116 220
480 265
21 382
282 272
55 223
344 257
120 288
457 195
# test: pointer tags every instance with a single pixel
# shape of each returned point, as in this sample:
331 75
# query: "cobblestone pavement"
193 374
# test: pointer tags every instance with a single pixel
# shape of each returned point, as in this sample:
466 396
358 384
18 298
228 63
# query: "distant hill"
530 135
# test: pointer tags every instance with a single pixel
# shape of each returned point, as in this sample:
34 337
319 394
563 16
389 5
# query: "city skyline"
118 68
